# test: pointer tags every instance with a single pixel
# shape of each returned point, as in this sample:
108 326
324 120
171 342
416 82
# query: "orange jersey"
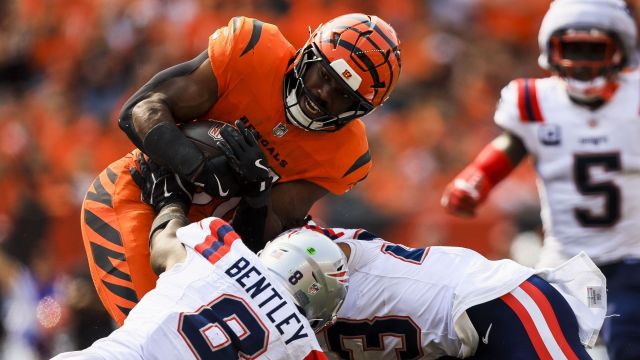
249 59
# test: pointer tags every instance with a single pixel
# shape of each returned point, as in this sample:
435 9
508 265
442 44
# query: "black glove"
248 162
160 186
218 178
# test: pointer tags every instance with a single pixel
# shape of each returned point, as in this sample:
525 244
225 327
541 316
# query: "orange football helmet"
361 52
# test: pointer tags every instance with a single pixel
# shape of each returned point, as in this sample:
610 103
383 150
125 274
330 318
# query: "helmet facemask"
358 56
588 61
604 29
295 89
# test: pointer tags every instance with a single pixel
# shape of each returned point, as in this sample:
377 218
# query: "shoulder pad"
528 104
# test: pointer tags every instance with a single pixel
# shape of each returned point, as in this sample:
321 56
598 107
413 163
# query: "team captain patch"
550 134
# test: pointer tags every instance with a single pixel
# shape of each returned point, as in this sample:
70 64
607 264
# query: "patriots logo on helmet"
340 276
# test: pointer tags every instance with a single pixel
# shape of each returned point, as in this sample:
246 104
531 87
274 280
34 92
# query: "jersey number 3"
227 328
371 334
608 189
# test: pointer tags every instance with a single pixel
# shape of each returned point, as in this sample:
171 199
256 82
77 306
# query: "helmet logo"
311 251
347 73
340 276
313 289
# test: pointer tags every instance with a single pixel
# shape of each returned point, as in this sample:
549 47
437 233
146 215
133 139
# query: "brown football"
205 134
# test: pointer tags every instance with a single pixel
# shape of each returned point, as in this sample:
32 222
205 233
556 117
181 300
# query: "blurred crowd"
66 67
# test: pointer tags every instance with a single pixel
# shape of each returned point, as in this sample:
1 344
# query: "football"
205 134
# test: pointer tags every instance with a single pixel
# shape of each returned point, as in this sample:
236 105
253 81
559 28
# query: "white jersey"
410 303
221 303
588 165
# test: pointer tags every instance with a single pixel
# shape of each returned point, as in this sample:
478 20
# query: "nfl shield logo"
313 289
550 134
279 130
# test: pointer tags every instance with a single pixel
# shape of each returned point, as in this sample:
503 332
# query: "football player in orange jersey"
303 106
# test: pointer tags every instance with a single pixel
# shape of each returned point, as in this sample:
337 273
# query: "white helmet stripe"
346 73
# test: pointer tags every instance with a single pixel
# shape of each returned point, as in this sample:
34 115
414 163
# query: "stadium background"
66 67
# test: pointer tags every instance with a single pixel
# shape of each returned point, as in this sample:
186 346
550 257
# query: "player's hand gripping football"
160 186
463 195
248 162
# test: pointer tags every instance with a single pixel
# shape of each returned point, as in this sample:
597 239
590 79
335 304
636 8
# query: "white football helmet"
587 43
314 270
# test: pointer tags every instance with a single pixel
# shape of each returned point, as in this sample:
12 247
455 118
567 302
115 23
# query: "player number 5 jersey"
588 164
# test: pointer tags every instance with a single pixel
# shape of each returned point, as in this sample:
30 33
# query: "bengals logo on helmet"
360 50
371 48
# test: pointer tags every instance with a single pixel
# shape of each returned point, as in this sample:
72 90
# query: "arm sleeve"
249 223
125 121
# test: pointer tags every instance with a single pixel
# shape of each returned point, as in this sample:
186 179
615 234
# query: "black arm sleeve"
125 120
249 223
166 145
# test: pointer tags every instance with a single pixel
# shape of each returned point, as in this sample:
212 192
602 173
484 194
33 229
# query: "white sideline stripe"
540 323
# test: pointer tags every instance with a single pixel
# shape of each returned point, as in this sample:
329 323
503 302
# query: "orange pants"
115 226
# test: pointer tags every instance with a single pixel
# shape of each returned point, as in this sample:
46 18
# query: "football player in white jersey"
425 303
581 126
214 298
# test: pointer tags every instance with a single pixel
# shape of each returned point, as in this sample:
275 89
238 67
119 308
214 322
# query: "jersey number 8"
227 328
